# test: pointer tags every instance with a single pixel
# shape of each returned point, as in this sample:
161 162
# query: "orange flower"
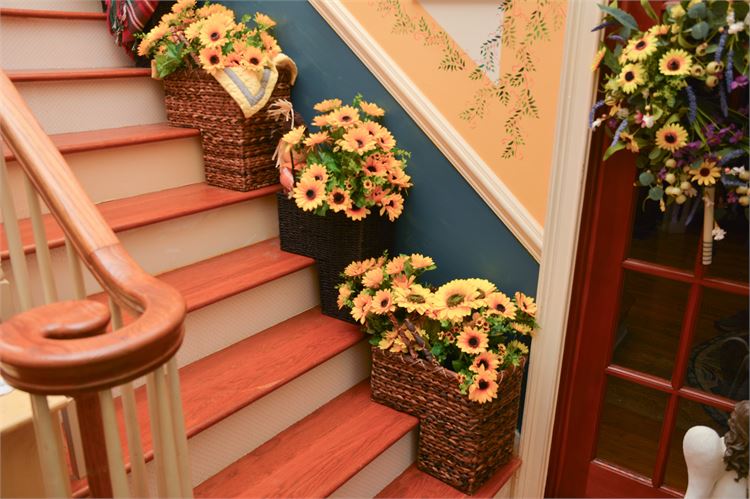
253 58
499 304
382 302
356 213
419 261
472 341
393 205
327 105
315 139
316 171
358 268
376 195
485 360
398 178
338 200
357 140
309 194
344 116
211 60
396 265
401 281
373 128
371 109
362 305
374 166
344 293
385 140
270 44
526 303
484 388
373 278
321 121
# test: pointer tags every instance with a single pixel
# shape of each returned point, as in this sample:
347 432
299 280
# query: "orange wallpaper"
510 123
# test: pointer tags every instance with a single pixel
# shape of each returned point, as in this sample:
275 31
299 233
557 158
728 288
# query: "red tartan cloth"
128 17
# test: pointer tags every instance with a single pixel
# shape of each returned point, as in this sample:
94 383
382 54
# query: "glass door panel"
730 256
651 312
630 425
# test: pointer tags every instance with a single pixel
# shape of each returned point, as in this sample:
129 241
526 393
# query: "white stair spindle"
51 458
114 449
178 423
44 260
15 246
132 428
156 436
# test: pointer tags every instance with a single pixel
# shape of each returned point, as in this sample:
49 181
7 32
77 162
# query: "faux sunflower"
675 93
465 325
354 158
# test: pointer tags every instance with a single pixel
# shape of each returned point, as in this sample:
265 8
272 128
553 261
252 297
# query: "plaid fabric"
128 17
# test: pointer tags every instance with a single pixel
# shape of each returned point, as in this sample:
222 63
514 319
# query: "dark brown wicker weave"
237 151
461 442
334 241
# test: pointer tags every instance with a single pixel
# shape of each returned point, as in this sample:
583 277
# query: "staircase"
275 394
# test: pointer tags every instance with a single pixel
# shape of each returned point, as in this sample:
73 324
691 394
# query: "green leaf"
620 16
613 149
697 11
456 365
168 62
649 10
700 30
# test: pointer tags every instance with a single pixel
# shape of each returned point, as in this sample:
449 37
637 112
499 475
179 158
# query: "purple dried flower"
617 38
619 130
723 101
662 173
592 114
694 145
603 25
737 153
612 123
720 48
736 137
729 71
740 81
693 105
731 197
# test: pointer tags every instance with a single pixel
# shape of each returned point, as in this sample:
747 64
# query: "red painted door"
656 341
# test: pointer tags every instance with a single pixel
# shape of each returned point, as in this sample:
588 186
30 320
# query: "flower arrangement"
209 38
351 165
676 94
465 325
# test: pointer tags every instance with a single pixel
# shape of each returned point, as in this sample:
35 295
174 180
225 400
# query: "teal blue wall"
443 217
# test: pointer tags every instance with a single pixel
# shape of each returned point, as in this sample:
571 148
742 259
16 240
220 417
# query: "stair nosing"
408 423
52 14
59 240
217 417
27 75
86 140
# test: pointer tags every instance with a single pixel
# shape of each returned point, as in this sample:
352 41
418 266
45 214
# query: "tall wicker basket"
334 241
461 442
237 151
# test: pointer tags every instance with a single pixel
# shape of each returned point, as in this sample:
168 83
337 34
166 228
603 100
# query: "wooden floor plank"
414 483
138 211
317 455
91 140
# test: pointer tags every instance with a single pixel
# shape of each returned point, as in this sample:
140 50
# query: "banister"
80 360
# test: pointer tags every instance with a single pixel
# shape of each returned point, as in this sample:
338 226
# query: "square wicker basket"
461 442
237 151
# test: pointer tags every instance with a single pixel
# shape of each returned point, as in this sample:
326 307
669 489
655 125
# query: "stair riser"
167 245
68 5
220 445
121 172
80 105
32 43
383 470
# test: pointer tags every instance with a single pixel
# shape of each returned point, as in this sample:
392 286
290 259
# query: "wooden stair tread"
414 483
209 281
217 386
91 140
53 14
28 75
316 455
137 211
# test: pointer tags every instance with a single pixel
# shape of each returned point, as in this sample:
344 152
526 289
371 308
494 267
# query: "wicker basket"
237 151
334 241
461 442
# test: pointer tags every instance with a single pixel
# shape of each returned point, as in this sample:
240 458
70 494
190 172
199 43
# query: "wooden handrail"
81 359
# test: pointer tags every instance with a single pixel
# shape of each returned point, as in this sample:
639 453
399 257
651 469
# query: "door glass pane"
667 238
651 312
630 425
730 255
718 360
690 414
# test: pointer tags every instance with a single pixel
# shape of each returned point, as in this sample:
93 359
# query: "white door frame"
565 200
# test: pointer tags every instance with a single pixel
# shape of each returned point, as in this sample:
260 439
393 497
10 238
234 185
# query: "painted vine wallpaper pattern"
517 33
